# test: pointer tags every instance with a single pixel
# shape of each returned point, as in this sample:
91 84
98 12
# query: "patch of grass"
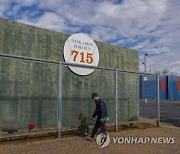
126 126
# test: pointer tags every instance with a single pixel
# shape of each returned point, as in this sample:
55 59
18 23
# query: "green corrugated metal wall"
28 90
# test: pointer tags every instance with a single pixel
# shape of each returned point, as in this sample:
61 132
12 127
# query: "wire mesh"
148 106
128 100
28 97
77 92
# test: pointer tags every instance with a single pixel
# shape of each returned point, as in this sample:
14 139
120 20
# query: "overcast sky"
150 26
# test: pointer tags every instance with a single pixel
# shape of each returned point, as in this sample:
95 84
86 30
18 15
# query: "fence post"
59 101
158 102
116 98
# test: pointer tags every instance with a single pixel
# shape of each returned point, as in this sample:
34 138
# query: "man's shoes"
89 138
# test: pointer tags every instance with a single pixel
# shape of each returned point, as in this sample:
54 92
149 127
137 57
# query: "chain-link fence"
118 88
148 108
77 101
128 97
28 97
41 96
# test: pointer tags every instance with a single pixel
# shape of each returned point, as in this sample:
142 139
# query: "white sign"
145 78
81 49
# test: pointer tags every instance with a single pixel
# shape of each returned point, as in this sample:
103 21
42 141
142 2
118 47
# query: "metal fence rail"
60 87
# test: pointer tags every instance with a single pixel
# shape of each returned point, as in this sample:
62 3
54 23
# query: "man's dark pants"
96 127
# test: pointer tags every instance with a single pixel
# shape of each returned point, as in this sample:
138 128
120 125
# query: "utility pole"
150 70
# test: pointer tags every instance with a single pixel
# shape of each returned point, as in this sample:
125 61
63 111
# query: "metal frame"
158 101
59 100
116 98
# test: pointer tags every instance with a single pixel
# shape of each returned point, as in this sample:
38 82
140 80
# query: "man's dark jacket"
101 110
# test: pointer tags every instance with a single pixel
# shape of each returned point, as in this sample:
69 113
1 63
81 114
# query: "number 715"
88 58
